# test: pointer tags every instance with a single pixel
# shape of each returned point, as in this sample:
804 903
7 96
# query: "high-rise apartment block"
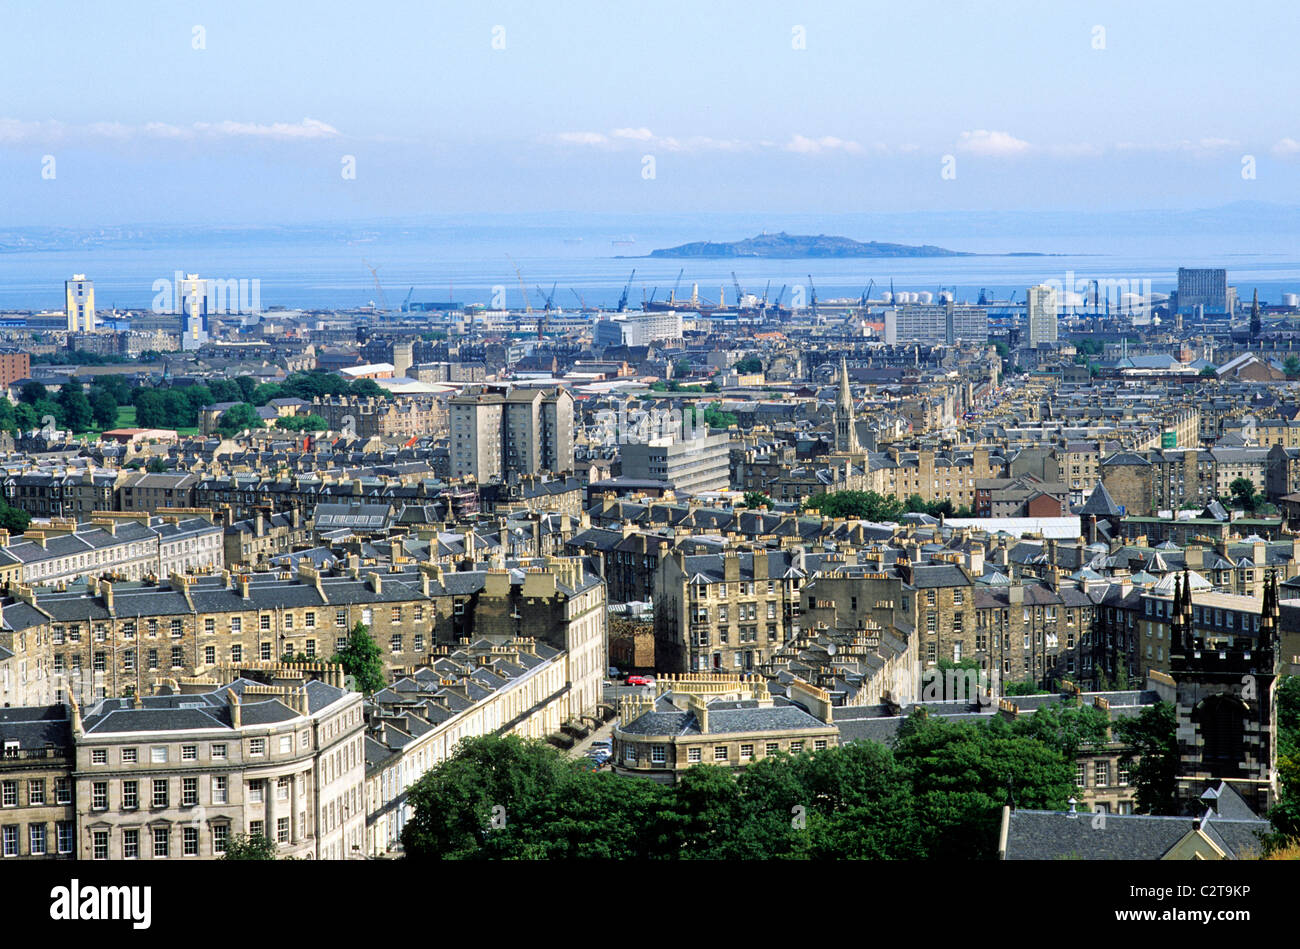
80 297
1203 287
192 302
947 323
497 432
638 329
1041 315
691 466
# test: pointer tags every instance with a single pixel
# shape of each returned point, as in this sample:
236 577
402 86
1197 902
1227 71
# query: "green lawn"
126 419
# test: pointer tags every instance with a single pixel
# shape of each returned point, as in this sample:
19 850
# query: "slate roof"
1060 835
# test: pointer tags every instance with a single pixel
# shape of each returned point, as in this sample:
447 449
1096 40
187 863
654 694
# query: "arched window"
1221 720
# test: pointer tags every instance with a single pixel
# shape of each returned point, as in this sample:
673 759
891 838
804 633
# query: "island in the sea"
792 246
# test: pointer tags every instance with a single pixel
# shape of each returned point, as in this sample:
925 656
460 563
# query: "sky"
253 112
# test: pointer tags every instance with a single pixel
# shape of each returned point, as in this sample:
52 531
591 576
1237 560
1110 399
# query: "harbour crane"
740 294
812 300
374 273
866 294
622 301
549 297
406 304
672 298
522 289
763 303
582 304
777 304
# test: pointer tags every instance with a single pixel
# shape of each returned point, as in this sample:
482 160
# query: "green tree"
103 407
250 847
113 383
757 499
13 519
1285 814
682 368
962 774
1068 727
488 780
32 392
1292 366
156 465
1154 738
859 504
748 365
1209 372
1243 494
237 418
363 660
74 408
302 423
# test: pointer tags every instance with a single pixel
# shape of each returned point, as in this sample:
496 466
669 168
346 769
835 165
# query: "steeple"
1178 633
1270 612
846 435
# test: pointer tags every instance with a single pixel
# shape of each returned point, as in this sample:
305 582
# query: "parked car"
605 743
640 680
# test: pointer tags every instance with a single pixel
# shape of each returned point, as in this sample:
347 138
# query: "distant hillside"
790 246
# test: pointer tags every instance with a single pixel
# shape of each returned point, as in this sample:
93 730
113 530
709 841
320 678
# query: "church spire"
846 434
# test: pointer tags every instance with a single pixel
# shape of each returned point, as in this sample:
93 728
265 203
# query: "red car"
640 680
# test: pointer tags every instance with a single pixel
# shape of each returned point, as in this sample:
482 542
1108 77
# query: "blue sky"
254 127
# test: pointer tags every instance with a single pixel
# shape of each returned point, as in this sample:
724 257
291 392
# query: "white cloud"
14 131
50 131
582 138
1182 145
1287 147
645 138
985 142
803 145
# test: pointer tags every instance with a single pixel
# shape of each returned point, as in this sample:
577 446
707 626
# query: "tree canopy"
362 659
938 792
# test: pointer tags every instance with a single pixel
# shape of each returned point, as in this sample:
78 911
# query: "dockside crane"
406 304
549 305
672 298
374 273
740 294
866 294
522 289
812 300
622 301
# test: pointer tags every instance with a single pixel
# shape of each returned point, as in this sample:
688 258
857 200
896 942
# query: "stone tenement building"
127 546
370 417
725 612
115 639
482 688
719 719
37 817
174 776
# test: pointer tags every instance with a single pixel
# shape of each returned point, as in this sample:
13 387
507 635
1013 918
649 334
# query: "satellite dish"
830 649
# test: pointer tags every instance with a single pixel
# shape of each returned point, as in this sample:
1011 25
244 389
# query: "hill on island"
790 246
